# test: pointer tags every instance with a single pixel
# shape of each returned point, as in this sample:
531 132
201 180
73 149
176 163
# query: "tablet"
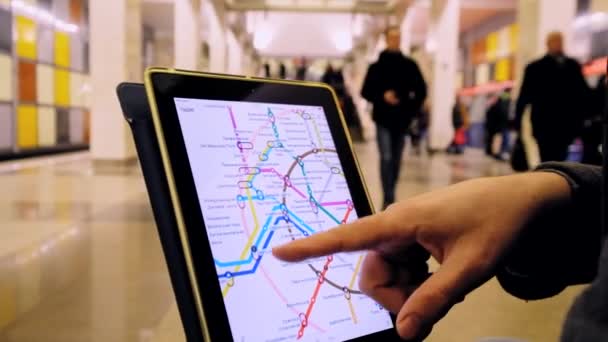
135 108
252 164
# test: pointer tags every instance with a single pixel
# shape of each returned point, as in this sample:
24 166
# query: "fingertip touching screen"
266 174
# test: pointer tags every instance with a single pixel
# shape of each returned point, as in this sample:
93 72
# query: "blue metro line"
266 243
250 259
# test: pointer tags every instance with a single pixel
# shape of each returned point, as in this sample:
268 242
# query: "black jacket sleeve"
560 248
525 95
371 91
420 87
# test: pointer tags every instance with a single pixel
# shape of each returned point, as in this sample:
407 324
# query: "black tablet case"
134 104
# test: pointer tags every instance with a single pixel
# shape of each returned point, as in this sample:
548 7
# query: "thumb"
431 301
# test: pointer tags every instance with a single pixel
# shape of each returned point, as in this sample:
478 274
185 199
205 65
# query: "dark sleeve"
562 247
525 95
419 85
585 92
371 89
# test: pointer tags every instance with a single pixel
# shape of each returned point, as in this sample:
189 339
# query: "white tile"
45 84
6 81
47 126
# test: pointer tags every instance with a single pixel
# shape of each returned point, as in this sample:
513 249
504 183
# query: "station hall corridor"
81 259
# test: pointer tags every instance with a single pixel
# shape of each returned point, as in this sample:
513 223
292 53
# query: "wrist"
551 188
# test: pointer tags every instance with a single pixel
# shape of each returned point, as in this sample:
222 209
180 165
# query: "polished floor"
80 259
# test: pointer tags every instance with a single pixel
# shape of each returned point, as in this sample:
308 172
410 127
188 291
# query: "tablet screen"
266 174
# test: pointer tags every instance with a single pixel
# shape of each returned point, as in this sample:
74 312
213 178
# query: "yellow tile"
62 49
47 126
492 46
502 70
28 279
6 81
514 37
26 37
44 84
62 87
27 126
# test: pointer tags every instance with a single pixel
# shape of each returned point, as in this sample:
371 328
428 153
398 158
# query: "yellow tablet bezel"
169 171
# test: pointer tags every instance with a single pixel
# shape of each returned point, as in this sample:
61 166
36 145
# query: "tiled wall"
44 85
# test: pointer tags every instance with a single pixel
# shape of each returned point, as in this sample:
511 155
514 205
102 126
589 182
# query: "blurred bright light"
342 40
42 15
262 36
591 19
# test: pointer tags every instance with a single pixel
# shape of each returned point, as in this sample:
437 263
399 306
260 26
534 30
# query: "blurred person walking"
497 126
555 88
335 78
396 88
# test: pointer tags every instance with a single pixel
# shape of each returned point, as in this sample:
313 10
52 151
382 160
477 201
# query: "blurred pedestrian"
335 78
461 123
267 70
497 126
396 88
555 88
302 69
282 71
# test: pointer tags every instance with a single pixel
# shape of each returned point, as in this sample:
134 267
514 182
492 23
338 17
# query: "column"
186 35
406 30
442 43
115 56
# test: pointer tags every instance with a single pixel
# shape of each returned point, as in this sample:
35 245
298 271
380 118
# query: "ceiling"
158 14
352 6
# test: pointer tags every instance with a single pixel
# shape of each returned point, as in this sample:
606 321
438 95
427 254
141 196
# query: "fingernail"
409 326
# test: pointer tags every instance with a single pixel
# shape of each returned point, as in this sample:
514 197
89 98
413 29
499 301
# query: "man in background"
556 90
396 88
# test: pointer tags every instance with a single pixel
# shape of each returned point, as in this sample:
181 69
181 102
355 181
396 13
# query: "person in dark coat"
555 88
396 88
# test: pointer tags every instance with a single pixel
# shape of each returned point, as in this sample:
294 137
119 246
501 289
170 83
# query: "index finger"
365 233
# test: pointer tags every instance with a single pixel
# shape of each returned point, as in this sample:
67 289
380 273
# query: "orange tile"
27 81
76 11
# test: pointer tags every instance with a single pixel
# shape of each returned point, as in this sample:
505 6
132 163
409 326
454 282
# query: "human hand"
466 227
391 98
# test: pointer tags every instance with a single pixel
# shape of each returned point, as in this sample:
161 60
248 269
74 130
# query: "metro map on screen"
267 174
